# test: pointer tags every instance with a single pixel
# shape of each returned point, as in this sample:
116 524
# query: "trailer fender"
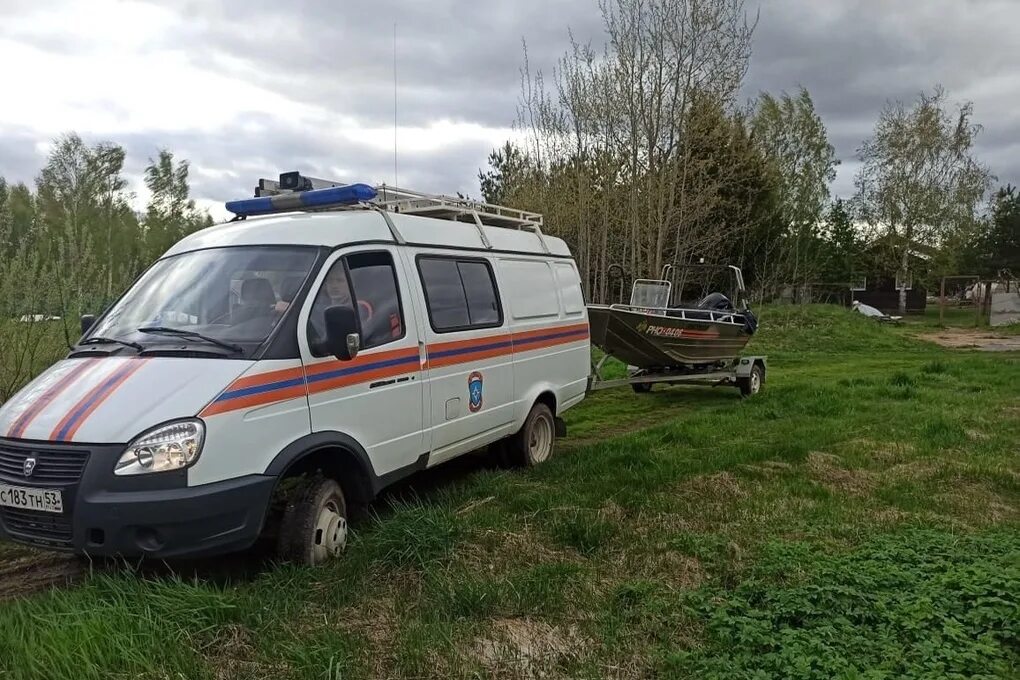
746 364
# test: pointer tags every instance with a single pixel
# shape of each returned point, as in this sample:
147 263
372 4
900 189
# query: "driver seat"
257 299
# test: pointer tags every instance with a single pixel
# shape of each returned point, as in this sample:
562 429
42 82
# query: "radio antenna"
395 182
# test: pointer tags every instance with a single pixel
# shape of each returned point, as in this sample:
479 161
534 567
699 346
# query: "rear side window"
534 288
460 294
570 288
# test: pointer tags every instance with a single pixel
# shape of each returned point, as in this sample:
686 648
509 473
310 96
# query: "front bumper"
156 515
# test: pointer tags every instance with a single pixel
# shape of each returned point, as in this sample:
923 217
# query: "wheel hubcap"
330 533
755 382
540 441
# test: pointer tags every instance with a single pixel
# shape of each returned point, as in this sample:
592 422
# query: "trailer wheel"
752 384
641 388
535 442
314 526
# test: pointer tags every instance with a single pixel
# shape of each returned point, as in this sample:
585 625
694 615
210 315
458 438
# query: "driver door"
376 398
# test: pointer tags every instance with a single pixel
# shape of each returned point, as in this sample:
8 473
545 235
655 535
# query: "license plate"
24 498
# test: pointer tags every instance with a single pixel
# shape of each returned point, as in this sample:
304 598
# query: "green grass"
857 519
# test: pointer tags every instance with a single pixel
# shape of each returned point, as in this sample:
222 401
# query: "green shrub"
915 604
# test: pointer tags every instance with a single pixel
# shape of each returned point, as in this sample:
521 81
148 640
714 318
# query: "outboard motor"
716 302
750 322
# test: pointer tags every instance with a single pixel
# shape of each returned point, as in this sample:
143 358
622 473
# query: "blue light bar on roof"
317 198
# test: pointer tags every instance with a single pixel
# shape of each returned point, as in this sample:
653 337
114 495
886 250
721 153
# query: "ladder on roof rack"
409 202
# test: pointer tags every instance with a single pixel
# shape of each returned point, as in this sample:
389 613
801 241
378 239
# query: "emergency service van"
339 337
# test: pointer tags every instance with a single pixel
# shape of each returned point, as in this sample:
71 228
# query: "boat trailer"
663 340
746 373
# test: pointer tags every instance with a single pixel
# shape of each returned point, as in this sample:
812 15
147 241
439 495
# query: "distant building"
879 281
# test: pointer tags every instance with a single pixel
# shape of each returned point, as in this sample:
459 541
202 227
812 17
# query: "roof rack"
395 200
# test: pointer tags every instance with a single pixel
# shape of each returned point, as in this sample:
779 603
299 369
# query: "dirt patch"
666 566
768 468
978 504
30 573
827 470
632 425
525 648
498 552
919 469
232 656
965 338
377 619
720 485
883 451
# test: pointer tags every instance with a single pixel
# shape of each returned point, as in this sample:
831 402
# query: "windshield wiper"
111 341
166 330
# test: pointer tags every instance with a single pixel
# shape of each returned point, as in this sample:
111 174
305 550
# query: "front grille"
61 467
37 526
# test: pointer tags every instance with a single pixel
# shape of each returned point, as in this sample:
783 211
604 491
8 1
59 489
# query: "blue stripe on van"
259 389
470 350
351 370
552 336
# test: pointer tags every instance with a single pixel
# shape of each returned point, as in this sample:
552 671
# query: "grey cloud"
235 161
460 60
19 159
855 55
456 59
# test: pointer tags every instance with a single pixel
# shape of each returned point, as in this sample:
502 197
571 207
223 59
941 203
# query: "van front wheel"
536 440
314 526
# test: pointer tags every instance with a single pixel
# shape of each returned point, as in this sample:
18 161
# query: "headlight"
167 447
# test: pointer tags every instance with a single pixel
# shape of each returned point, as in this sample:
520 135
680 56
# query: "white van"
348 344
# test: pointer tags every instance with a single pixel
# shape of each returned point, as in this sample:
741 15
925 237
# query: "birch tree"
919 182
171 213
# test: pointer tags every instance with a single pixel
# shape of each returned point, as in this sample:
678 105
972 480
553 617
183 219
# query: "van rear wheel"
314 526
535 442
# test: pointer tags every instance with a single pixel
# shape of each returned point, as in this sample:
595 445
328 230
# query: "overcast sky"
249 88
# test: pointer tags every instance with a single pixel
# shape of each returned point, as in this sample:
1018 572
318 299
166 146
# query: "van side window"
536 277
570 288
460 294
368 280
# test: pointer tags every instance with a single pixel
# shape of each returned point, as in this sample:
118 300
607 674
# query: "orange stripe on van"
37 407
86 406
253 400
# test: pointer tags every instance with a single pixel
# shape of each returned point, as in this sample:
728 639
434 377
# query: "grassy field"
858 519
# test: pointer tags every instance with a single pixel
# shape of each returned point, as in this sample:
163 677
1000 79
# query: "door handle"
391 381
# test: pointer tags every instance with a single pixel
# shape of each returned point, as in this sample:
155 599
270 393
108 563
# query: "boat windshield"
228 296
650 294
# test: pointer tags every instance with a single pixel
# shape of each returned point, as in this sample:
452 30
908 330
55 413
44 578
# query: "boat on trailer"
663 340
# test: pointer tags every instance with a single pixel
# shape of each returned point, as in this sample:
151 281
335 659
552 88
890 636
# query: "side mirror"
342 338
87 321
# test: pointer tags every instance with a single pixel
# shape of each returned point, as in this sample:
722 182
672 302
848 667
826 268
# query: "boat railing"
686 313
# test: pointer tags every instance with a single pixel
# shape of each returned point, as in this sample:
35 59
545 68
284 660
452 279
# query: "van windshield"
231 295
